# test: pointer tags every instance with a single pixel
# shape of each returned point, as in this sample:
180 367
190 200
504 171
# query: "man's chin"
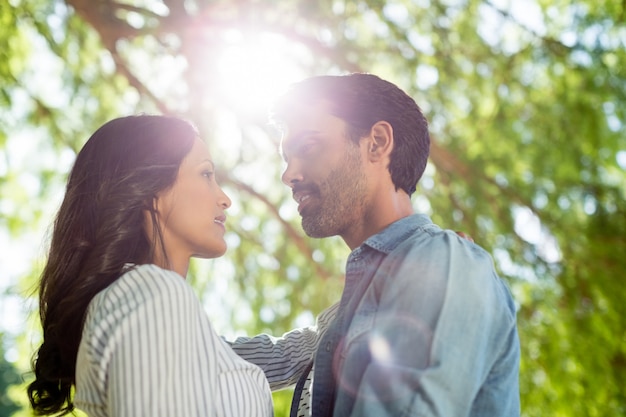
314 229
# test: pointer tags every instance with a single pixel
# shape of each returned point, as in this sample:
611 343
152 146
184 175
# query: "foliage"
526 105
8 377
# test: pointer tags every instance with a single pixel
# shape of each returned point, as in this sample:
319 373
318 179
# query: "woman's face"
190 214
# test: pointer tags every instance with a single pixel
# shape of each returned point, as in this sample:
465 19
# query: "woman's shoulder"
139 286
149 280
149 276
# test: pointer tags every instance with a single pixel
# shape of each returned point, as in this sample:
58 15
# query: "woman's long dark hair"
100 227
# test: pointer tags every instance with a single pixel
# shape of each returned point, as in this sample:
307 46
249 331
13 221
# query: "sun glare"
253 69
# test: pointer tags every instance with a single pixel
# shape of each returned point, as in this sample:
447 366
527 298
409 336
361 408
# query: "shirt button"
327 346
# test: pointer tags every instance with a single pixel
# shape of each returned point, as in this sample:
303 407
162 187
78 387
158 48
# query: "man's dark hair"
362 100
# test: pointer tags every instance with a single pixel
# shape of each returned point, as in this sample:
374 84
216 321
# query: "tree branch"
448 162
124 71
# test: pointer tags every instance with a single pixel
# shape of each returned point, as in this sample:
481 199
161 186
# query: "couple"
424 325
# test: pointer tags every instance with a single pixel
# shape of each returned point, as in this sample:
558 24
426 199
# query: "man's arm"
444 322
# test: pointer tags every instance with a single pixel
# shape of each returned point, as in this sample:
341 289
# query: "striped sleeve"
155 344
283 359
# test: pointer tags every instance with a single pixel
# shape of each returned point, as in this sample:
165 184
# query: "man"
424 326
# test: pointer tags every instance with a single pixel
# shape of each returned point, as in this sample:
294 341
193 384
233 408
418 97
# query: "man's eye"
305 148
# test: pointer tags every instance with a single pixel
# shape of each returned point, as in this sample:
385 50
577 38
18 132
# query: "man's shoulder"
431 237
398 232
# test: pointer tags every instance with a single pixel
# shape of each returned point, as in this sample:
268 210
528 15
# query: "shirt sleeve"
155 352
283 359
444 321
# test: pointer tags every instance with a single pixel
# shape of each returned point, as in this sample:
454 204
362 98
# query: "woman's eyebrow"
204 161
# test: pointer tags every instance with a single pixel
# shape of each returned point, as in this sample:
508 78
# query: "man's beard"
340 199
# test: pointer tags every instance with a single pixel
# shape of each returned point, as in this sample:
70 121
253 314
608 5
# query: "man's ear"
380 141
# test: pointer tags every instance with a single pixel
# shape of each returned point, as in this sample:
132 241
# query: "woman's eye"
208 174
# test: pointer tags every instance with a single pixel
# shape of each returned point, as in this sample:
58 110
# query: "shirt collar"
390 237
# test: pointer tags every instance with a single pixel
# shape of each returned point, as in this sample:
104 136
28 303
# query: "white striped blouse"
149 349
285 358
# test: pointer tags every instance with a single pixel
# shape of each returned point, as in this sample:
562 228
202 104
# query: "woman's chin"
212 253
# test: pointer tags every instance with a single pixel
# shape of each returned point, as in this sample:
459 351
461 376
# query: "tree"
8 377
525 101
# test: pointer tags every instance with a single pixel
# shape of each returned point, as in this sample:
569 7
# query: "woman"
119 321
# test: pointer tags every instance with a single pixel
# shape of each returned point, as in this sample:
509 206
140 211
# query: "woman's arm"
283 359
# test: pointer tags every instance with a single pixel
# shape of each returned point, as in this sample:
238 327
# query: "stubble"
341 197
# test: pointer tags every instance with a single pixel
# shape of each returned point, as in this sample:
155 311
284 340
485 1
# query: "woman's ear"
150 205
150 214
381 141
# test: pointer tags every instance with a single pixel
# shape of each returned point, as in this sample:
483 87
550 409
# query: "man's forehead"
303 112
306 117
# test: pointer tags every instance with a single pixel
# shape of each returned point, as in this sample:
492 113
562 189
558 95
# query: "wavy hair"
100 228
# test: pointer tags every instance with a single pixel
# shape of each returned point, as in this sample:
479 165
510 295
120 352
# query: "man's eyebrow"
295 139
288 145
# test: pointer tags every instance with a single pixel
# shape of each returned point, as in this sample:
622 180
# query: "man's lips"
303 197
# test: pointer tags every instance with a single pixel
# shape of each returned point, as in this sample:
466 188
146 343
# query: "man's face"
325 172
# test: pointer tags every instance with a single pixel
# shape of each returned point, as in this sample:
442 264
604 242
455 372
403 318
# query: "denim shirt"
425 327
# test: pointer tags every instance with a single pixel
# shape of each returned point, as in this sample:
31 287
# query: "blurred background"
527 107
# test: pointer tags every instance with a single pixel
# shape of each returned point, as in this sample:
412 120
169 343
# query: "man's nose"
292 174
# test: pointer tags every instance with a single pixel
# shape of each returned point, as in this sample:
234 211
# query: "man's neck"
380 214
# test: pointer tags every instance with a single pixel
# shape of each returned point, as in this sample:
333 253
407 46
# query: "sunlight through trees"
525 101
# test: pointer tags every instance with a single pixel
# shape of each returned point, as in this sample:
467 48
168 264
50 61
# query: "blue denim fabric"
425 327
